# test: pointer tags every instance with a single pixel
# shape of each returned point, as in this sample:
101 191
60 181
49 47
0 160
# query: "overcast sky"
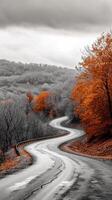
51 31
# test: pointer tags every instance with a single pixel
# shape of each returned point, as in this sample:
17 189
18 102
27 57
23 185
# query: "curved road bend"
59 175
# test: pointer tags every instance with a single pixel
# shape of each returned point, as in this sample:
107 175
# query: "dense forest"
92 93
30 96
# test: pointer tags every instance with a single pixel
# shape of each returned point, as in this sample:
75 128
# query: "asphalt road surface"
57 175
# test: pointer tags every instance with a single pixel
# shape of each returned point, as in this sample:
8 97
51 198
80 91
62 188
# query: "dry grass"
101 149
13 162
8 164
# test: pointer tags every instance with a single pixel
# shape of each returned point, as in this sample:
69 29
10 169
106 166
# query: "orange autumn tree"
40 102
29 96
93 91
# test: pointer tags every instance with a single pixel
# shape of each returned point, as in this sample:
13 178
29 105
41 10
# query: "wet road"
59 175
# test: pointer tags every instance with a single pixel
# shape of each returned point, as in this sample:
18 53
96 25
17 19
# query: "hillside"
18 78
19 121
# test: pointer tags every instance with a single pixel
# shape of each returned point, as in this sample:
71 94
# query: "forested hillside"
23 89
33 94
18 78
92 96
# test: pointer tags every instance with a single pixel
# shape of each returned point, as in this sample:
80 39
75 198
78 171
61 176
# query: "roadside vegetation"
92 96
31 96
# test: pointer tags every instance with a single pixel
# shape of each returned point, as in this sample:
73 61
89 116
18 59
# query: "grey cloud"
64 14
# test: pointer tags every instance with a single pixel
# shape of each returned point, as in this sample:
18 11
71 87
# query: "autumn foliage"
29 96
40 101
93 91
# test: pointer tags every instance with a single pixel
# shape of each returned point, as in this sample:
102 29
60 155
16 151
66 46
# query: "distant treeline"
18 78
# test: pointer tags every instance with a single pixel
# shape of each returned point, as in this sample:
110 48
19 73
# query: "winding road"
57 175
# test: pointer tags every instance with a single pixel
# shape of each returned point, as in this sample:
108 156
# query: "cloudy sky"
51 31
